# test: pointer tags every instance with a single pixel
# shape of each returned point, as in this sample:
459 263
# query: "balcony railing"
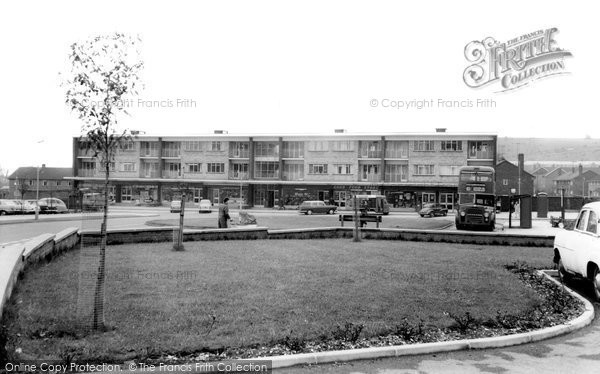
171 174
238 175
371 178
396 177
370 154
86 172
237 153
149 174
266 175
149 153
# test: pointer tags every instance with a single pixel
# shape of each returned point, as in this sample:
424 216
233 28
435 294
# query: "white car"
8 207
577 251
52 205
205 206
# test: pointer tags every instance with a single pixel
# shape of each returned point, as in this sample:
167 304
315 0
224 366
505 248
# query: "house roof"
514 166
30 172
573 175
561 169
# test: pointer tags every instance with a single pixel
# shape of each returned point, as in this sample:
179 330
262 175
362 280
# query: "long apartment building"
274 170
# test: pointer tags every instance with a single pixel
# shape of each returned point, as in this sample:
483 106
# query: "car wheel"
2 213
422 215
431 215
565 276
445 214
596 283
330 211
309 212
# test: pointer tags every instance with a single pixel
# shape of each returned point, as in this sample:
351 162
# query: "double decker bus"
476 198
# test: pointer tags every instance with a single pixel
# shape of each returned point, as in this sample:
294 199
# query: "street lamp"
37 191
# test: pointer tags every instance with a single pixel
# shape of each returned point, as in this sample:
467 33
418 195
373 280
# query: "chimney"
440 129
340 131
580 169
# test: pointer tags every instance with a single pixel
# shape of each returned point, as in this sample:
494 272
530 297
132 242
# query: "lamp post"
37 192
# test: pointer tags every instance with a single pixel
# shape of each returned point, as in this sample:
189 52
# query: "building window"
449 170
396 173
318 146
58 183
293 149
266 169
505 182
45 183
293 171
128 145
423 145
194 168
238 150
342 169
126 193
342 145
172 169
370 172
396 149
127 166
192 146
171 149
266 149
215 146
480 150
317 169
149 149
451 145
370 149
215 168
238 171
424 169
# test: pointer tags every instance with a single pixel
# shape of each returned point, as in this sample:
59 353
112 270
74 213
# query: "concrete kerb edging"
427 348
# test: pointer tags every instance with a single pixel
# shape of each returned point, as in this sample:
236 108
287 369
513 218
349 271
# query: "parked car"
25 207
310 207
8 207
205 206
175 206
577 250
431 210
52 205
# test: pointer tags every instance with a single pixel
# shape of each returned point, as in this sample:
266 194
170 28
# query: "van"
371 203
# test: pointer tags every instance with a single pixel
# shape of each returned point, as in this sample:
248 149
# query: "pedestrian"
224 214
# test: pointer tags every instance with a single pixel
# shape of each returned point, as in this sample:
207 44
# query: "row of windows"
45 183
269 169
367 149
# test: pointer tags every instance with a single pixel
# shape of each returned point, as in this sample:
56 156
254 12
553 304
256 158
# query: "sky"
294 66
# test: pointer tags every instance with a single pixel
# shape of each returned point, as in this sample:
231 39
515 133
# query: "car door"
588 245
576 242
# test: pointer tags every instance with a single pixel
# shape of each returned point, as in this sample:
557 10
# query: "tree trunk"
98 322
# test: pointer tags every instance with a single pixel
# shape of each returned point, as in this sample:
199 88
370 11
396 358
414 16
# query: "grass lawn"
285 221
239 293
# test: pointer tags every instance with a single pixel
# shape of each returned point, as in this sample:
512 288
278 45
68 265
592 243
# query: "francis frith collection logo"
514 63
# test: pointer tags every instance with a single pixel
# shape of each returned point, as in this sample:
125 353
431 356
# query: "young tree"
104 74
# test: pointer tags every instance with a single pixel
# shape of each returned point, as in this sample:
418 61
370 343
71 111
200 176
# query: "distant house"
23 183
545 183
507 178
582 182
538 174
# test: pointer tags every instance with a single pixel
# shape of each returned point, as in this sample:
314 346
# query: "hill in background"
550 150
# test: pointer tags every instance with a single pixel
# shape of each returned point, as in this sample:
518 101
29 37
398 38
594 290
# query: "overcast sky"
305 66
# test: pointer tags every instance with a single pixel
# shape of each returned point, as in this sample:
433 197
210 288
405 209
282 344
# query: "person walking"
224 214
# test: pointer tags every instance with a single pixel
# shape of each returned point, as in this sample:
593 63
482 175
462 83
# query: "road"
578 352
10 232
